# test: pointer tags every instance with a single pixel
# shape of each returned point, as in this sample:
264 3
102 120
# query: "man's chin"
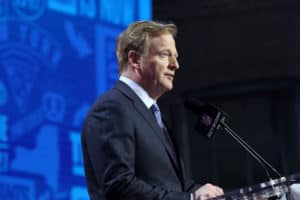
166 88
169 87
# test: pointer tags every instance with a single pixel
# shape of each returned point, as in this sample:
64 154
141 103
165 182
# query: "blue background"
56 57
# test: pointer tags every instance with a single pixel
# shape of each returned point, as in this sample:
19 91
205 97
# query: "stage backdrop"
56 57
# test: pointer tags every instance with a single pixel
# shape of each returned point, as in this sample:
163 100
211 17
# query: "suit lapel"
179 158
150 119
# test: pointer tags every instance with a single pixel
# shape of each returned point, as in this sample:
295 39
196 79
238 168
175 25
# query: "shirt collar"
139 91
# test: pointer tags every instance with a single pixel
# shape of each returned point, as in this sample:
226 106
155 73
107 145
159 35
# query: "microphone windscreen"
208 116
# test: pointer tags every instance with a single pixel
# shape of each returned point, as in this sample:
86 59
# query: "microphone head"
209 116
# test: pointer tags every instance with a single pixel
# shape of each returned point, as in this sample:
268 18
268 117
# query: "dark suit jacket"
125 153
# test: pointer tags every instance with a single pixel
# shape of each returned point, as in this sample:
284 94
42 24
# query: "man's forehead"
161 42
166 37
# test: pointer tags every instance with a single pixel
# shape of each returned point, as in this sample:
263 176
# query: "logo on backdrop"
28 142
21 9
52 68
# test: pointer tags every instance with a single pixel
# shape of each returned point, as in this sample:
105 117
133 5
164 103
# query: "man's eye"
164 54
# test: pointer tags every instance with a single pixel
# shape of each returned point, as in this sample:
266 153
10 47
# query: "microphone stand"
250 150
255 155
212 119
275 184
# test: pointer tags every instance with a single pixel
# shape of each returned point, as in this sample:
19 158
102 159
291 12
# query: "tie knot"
154 108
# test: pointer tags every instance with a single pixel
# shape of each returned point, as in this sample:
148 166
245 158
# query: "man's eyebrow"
169 51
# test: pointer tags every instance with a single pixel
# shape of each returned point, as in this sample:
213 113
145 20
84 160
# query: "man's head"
147 54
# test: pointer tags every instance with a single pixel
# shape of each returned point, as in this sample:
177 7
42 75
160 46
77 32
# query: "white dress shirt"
139 91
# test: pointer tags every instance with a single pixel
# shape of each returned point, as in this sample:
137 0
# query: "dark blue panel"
56 57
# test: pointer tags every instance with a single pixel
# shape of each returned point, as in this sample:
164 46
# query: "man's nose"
174 63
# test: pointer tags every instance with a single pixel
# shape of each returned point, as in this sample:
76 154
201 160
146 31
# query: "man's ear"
134 59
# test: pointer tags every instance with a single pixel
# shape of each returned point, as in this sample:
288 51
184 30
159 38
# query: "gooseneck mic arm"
212 118
250 150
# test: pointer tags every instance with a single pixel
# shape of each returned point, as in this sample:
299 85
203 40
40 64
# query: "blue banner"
56 58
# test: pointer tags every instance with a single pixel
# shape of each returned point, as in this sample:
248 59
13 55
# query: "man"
128 151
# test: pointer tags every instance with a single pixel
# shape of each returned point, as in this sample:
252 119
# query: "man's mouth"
170 76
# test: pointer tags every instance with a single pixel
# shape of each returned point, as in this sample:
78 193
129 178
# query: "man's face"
158 65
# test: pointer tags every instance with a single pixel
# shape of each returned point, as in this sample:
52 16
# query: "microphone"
212 118
209 116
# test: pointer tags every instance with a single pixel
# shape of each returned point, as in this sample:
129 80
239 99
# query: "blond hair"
136 37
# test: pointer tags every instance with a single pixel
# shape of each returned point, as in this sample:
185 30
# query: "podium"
211 119
276 189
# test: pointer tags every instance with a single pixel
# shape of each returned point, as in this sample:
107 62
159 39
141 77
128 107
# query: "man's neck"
139 80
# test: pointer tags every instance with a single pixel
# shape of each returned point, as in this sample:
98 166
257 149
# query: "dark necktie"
168 141
155 110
